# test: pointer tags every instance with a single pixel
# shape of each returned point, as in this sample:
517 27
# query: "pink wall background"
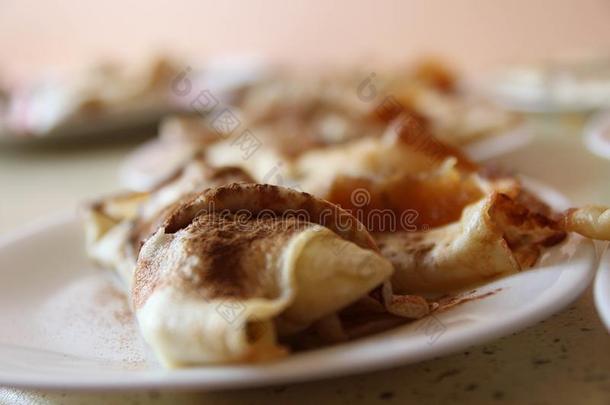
476 34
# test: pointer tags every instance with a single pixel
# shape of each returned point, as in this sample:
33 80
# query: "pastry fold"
233 268
494 237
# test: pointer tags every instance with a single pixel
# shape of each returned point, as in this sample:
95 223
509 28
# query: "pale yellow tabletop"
563 360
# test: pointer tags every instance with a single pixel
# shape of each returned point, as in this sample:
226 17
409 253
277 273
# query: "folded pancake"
117 225
454 118
270 151
404 149
284 116
232 268
432 225
222 272
494 237
283 121
430 92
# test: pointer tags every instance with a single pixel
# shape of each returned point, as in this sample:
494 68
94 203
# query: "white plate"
63 325
601 289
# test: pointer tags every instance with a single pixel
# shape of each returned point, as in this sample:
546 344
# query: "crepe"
278 120
494 237
225 264
457 119
450 226
404 149
432 211
428 90
234 267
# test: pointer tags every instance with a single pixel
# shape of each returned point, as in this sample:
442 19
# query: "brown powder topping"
265 199
238 259
234 258
236 233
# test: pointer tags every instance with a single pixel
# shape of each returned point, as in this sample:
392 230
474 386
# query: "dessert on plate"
312 239
293 115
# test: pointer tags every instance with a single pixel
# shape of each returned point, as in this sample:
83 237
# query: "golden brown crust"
496 236
526 232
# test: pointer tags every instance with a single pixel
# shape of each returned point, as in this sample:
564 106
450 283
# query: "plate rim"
601 288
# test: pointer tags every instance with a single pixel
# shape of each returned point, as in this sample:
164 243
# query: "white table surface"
563 360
